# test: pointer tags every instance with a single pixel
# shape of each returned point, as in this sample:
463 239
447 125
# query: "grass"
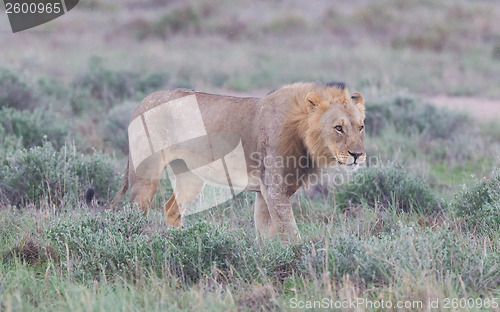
422 225
124 261
402 229
390 44
387 233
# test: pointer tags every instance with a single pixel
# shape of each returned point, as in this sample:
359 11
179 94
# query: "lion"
285 137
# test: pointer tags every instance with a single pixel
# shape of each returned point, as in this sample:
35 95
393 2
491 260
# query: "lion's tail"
89 195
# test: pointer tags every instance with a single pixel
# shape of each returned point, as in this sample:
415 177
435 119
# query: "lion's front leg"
280 210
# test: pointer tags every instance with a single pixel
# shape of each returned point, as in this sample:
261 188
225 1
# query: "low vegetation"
389 188
479 205
45 175
380 235
419 222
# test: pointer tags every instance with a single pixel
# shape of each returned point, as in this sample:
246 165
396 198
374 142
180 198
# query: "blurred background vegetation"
425 223
426 47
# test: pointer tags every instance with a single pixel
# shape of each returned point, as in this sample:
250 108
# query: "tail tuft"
89 195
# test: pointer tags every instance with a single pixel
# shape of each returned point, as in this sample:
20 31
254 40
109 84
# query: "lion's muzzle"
351 158
358 157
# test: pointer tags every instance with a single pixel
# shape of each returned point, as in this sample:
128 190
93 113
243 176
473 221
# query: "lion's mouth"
348 164
347 161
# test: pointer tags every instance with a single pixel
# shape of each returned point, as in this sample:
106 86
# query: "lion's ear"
357 99
313 101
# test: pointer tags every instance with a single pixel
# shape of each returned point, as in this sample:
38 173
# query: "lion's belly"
235 178
223 168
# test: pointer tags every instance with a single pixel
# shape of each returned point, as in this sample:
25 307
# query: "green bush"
34 127
195 251
115 128
119 242
101 243
479 205
287 23
347 254
14 92
413 130
389 187
98 89
52 88
152 83
411 116
185 19
411 250
45 174
104 86
127 243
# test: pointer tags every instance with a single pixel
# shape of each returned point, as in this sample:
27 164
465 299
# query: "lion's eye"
361 128
339 128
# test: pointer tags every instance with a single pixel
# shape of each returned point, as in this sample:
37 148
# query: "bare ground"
480 108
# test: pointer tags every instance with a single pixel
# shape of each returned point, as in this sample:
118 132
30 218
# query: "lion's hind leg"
142 192
262 217
172 214
187 187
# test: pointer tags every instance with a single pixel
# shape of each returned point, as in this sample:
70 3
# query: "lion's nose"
355 155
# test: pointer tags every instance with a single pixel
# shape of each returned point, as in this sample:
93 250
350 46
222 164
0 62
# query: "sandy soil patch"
478 107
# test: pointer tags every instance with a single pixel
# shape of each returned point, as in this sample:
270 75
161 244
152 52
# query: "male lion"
284 138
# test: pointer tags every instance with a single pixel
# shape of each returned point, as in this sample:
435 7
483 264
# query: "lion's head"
329 122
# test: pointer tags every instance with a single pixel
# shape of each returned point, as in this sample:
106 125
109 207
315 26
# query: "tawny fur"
295 121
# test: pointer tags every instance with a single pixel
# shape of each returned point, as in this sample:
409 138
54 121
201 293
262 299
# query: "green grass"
446 48
422 223
124 261
403 228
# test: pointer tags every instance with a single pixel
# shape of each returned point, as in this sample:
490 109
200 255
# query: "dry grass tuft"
30 250
260 298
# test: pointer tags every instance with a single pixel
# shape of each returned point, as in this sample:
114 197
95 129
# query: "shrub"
52 88
14 92
151 83
127 243
195 251
479 205
411 250
100 242
185 19
287 23
99 88
411 116
345 255
119 243
44 174
389 187
34 127
105 86
424 130
115 128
